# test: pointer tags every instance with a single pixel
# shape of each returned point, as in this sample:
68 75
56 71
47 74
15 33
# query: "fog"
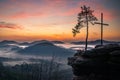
19 58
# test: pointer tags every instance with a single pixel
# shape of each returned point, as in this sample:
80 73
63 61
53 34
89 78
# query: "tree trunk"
86 42
101 29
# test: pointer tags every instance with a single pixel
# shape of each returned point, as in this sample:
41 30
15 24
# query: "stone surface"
100 63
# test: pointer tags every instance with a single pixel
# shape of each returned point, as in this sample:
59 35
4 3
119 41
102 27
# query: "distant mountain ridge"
39 41
95 42
24 43
45 48
6 42
57 42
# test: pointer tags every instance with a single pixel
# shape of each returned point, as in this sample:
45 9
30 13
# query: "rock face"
100 63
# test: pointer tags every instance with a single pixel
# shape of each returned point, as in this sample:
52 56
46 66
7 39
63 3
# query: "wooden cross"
101 23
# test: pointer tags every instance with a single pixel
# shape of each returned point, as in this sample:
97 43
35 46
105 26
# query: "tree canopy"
86 15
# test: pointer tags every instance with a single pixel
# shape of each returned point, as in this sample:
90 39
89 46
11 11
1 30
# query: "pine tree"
84 18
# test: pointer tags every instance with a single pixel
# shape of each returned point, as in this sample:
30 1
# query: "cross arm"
97 23
105 24
101 23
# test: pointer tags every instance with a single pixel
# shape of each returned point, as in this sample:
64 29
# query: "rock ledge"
100 63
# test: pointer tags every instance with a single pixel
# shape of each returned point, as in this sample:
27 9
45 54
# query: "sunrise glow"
28 20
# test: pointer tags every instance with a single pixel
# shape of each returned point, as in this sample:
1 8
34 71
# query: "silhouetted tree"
84 17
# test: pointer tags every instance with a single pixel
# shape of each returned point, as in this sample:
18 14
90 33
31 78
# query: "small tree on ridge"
84 17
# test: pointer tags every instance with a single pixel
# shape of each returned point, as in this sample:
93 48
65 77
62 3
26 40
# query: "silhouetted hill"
95 42
57 42
6 42
9 45
24 43
36 42
45 48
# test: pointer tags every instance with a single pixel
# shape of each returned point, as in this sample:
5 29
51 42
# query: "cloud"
69 12
15 9
10 25
18 9
20 15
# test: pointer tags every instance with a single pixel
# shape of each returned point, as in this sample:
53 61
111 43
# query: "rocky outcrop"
100 63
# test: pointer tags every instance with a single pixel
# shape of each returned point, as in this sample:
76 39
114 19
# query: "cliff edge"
100 63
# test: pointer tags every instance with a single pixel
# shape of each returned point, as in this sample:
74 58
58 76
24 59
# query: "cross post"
101 23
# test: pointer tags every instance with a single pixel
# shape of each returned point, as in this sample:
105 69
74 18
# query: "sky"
30 20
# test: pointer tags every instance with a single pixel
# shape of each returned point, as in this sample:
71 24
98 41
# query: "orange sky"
28 20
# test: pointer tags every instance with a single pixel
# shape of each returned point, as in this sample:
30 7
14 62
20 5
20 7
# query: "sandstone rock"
102 60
